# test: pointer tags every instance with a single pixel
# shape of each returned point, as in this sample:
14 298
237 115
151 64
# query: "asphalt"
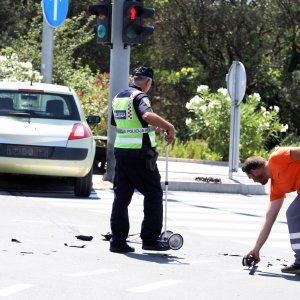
200 176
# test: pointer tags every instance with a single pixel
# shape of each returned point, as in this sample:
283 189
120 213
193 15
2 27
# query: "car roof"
45 87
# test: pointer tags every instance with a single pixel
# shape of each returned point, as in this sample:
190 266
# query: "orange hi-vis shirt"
285 173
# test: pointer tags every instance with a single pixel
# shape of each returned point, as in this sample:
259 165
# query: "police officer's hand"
170 135
157 130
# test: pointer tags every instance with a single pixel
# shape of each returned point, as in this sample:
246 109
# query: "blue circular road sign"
55 11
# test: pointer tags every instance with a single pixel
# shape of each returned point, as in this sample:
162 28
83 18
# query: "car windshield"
38 105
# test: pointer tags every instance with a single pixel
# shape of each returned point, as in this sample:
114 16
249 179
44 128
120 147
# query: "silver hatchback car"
43 131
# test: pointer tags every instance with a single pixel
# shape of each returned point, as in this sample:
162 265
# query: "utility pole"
119 74
119 25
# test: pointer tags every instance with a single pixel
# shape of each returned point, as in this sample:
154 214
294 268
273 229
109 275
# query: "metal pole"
166 187
236 84
237 138
119 74
232 125
47 52
231 140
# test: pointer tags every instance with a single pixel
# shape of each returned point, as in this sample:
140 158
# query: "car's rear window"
38 105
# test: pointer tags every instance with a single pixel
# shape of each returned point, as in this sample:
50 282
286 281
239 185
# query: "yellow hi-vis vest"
129 128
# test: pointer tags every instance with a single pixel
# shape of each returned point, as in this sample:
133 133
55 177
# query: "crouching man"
283 168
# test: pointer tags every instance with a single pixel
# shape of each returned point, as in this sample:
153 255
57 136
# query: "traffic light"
134 13
103 13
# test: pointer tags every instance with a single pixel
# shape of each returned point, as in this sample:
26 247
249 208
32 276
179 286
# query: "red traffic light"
132 13
134 29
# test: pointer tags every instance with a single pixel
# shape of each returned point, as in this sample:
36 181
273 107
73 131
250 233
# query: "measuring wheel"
164 237
175 241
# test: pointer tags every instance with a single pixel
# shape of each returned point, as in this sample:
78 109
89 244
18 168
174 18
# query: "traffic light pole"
119 74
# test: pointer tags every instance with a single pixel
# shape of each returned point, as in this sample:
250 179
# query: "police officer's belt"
136 130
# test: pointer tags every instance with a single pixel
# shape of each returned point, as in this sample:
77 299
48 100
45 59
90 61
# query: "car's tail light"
80 131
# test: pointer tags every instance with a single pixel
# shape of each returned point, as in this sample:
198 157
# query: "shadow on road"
158 258
40 186
275 275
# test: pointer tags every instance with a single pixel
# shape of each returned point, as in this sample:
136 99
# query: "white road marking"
14 289
239 234
154 286
201 261
33 221
200 216
222 225
103 212
89 273
238 270
53 223
269 244
88 205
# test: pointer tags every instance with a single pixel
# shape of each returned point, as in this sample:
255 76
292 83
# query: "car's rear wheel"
83 185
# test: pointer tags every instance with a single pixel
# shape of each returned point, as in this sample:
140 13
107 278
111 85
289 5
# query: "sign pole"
47 52
236 86
232 122
54 14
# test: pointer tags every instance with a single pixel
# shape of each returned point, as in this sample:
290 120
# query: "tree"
194 43
206 36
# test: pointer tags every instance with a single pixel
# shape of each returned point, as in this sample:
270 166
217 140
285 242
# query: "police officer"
136 167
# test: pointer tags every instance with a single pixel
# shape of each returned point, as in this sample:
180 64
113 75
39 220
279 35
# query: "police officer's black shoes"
120 248
292 269
156 246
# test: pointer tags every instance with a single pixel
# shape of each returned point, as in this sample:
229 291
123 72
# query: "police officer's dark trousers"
131 174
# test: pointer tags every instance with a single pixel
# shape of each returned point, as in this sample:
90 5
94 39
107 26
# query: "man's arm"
155 120
271 215
295 153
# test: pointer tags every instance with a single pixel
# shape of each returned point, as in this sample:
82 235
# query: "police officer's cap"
144 71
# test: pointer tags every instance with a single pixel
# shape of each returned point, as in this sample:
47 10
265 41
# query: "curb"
230 188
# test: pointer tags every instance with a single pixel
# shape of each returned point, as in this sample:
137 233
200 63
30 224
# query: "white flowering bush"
259 125
11 69
209 119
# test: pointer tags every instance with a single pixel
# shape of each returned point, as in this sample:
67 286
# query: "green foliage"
209 35
92 89
15 19
291 140
210 120
12 69
93 93
259 126
71 35
68 38
192 149
194 41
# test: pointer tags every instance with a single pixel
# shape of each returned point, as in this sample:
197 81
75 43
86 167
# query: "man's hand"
170 135
255 253
155 120
271 215
157 131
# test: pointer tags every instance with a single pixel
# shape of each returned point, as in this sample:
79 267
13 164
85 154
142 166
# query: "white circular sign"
236 81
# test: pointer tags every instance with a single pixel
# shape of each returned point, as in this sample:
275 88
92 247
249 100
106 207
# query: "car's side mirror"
93 119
